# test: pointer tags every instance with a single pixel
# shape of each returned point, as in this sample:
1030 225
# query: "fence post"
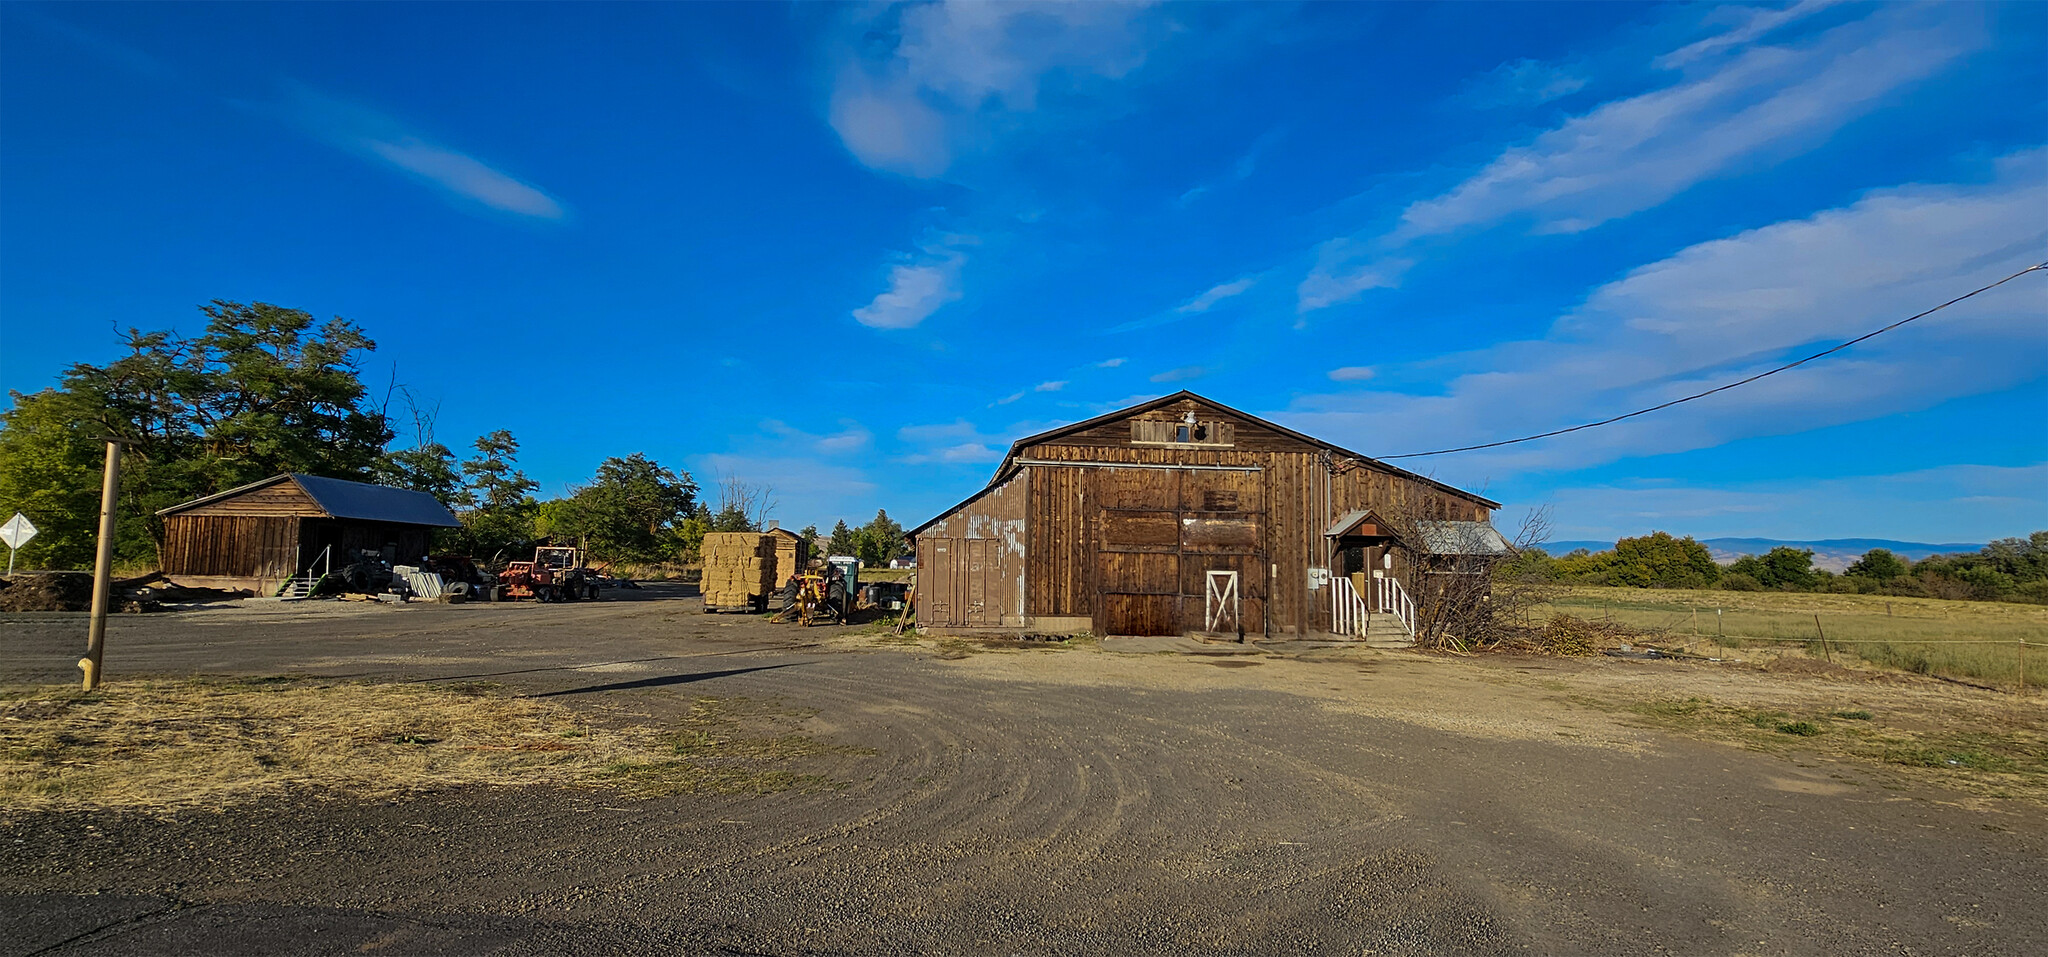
2023 666
1825 651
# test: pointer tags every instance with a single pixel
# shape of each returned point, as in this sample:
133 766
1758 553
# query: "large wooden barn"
1183 515
262 533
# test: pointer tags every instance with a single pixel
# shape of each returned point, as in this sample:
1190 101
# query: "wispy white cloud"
1524 82
465 175
1216 294
950 443
1721 310
1351 374
919 285
368 133
805 490
851 437
1052 386
927 79
1752 23
1760 104
1111 363
1181 374
1006 400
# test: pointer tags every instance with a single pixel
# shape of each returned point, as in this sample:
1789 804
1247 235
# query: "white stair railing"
1348 614
1393 599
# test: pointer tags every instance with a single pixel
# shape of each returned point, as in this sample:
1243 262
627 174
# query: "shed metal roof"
341 498
1461 538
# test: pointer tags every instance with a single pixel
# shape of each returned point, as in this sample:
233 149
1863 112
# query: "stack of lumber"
738 567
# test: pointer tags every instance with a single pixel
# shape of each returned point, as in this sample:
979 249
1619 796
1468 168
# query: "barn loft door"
1160 535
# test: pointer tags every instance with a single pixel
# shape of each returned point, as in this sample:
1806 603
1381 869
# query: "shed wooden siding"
231 546
971 565
281 499
1082 548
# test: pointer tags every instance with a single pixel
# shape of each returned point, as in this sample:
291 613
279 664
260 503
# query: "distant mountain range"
1833 554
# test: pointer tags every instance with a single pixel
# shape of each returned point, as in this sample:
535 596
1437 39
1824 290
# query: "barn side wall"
1299 499
971 564
230 551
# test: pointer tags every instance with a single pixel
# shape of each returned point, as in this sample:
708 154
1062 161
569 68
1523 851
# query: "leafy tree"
879 540
502 508
1658 560
50 472
842 541
1783 568
1878 564
690 532
263 390
429 468
634 508
1584 567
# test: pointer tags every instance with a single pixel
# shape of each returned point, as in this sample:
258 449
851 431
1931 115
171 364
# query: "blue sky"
853 251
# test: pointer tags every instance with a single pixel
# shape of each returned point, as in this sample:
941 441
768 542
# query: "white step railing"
1394 600
1348 614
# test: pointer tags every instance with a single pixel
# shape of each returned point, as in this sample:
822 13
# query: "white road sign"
17 531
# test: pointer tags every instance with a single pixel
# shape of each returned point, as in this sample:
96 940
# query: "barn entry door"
960 583
1164 535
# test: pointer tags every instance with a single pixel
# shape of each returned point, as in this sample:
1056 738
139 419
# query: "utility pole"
102 568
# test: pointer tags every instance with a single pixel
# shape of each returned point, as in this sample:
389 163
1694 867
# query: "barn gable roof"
340 498
1184 395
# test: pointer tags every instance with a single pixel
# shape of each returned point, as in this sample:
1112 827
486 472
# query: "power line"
1731 385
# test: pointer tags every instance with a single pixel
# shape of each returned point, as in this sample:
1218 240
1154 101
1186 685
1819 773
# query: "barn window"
1180 432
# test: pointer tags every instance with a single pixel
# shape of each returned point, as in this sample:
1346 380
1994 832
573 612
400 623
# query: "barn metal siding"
971 564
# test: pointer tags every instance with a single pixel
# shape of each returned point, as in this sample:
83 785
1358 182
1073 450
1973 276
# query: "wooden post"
2023 666
102 568
1824 650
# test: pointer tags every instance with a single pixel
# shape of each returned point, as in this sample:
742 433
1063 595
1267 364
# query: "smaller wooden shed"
262 533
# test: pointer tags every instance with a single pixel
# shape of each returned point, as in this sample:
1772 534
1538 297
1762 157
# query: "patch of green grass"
1804 729
1670 708
1857 715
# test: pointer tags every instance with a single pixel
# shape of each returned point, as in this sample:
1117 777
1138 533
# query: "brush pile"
51 591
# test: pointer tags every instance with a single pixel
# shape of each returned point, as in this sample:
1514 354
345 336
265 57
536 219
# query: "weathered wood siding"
236 546
284 498
971 565
1131 547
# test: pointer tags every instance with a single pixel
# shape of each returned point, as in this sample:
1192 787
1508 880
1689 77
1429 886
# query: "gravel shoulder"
1039 799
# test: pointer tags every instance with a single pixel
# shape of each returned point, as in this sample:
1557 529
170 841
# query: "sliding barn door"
1160 533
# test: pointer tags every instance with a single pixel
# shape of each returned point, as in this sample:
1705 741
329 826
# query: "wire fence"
1984 659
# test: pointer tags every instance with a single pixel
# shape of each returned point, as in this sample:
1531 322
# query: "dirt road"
1089 800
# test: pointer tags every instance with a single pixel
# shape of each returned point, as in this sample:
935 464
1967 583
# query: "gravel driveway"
1018 800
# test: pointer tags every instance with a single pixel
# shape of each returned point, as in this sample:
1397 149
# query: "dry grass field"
167 743
1981 642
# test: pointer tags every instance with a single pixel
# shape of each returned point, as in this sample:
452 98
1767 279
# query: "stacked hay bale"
790 557
739 567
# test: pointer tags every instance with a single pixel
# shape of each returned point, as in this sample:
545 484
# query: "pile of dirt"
53 591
